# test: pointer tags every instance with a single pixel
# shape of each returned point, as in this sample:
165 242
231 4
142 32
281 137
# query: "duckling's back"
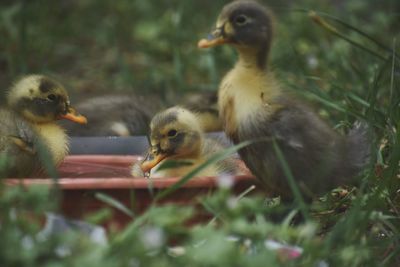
114 115
226 166
318 157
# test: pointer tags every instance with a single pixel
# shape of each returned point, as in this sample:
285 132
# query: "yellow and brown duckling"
177 135
34 104
253 106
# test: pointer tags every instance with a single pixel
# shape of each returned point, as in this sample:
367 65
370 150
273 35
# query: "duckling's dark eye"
51 97
172 133
241 20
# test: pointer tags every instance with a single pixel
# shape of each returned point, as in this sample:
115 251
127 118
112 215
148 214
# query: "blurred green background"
95 46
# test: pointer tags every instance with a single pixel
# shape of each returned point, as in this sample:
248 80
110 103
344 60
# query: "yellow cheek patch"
35 118
220 23
228 29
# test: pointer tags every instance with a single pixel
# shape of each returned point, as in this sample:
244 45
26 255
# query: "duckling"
254 106
205 106
176 134
34 104
114 115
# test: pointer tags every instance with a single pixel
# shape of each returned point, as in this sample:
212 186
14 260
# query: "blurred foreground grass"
148 47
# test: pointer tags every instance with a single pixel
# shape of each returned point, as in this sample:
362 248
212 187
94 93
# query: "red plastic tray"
81 176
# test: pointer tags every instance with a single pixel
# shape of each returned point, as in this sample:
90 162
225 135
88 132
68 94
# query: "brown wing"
17 146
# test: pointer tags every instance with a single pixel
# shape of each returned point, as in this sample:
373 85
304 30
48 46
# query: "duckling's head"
248 26
175 134
41 100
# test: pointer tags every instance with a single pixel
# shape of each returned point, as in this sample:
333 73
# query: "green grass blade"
358 99
171 164
321 22
214 158
362 33
114 203
393 69
291 181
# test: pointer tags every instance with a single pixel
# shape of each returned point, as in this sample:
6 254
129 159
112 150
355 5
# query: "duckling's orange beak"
216 37
151 160
74 116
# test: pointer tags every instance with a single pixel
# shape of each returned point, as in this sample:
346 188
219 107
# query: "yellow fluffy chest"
244 93
56 140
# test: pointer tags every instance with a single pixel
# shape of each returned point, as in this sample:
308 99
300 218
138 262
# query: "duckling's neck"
55 139
246 91
249 57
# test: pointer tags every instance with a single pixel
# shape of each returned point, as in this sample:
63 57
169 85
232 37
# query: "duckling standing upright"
254 106
176 134
35 102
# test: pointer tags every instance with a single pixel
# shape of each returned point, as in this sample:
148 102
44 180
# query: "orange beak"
151 161
215 38
74 116
207 43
